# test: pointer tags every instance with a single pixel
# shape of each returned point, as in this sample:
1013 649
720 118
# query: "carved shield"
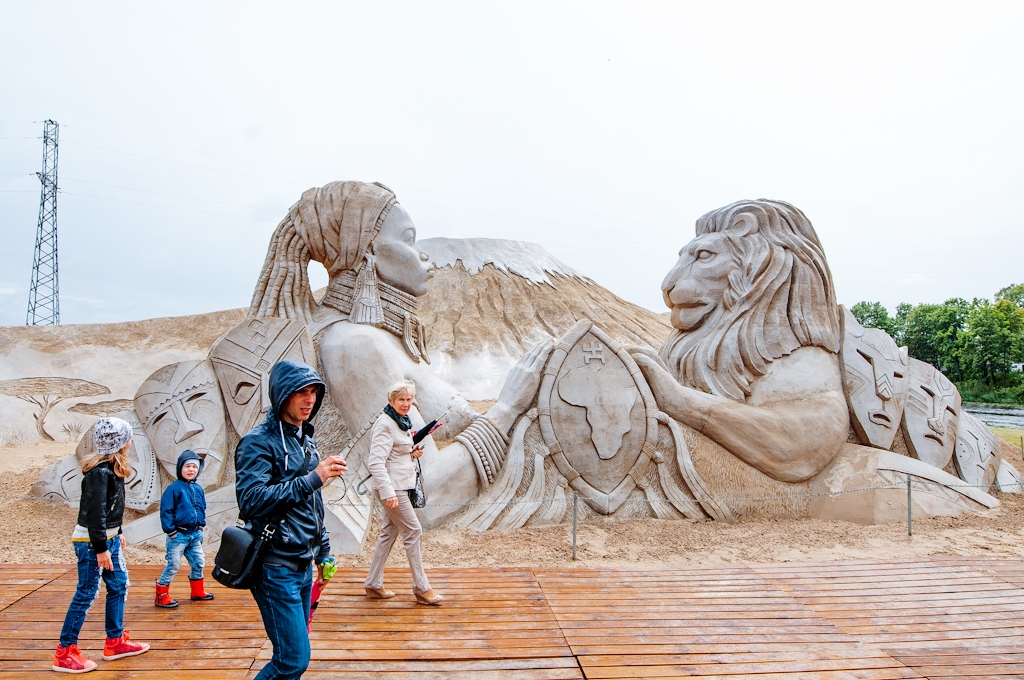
142 489
978 452
930 417
242 360
876 378
180 407
597 416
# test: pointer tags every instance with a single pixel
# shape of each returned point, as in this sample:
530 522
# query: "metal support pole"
575 501
910 509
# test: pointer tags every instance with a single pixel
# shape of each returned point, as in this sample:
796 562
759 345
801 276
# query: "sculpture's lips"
880 418
688 315
935 437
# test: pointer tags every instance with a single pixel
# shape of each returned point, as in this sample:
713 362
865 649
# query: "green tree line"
973 343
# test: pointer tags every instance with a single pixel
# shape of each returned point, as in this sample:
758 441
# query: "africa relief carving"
597 416
876 374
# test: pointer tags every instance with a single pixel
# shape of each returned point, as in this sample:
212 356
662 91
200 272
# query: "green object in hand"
329 566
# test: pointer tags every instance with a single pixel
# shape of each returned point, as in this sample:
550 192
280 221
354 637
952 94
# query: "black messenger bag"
241 545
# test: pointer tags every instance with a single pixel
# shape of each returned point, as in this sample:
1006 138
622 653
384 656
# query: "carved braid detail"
487 444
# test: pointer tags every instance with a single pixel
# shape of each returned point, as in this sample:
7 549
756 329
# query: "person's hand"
520 386
391 502
416 452
331 466
124 541
103 559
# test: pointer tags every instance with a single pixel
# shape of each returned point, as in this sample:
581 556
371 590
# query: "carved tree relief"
47 393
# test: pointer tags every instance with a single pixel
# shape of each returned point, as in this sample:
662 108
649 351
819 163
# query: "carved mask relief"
978 452
142 488
242 360
930 417
876 378
597 415
180 407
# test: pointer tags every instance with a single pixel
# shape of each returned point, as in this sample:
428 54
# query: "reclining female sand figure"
369 337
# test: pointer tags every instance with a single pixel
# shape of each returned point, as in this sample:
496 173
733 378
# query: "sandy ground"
37 531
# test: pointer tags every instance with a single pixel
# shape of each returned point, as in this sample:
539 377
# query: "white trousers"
402 520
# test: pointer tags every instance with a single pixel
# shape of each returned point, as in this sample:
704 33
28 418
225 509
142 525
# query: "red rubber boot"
198 592
163 597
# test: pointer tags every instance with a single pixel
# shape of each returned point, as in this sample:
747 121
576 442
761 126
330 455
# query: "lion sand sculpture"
767 399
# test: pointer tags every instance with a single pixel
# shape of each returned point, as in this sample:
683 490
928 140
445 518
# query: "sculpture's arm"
788 439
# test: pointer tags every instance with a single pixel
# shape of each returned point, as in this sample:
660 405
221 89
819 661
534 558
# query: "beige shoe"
379 593
429 597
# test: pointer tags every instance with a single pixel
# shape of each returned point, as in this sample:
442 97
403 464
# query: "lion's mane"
780 298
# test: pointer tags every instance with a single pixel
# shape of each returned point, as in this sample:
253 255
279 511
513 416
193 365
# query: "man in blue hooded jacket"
271 482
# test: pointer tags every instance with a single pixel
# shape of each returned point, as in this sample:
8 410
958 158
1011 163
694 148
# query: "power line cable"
276 211
167 207
189 165
322 173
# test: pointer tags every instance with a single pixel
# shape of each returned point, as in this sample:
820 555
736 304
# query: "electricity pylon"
43 295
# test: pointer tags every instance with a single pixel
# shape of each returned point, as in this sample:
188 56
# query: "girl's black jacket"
102 504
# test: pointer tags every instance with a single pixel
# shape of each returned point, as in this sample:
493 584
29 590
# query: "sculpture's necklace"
399 312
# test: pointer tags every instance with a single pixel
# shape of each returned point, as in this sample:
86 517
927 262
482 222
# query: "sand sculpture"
766 396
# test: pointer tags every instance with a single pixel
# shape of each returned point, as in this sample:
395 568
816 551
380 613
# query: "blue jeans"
190 545
283 599
89 575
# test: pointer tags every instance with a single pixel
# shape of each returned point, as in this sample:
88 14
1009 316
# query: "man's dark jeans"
283 598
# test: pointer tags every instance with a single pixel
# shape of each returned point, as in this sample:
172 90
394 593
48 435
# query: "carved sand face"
696 285
931 414
876 376
400 262
181 408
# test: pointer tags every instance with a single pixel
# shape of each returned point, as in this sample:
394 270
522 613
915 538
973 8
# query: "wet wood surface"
940 617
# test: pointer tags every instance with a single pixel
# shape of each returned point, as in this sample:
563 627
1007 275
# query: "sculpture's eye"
704 255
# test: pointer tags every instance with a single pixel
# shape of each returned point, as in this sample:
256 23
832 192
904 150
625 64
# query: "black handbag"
417 496
240 548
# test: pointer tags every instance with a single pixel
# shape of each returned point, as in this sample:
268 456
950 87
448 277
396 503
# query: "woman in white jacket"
392 464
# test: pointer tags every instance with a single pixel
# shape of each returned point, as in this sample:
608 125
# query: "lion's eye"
705 255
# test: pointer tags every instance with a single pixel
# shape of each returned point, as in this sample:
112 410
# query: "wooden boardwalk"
917 618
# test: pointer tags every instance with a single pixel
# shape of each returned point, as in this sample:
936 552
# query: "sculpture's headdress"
335 225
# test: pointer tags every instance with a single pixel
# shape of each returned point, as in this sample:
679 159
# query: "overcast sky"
601 131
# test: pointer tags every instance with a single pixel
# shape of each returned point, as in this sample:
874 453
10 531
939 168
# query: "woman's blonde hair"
399 387
122 466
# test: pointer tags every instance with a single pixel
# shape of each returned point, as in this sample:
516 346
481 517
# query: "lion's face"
696 286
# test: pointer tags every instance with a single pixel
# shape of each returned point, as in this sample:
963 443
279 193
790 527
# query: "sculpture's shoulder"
806 373
344 340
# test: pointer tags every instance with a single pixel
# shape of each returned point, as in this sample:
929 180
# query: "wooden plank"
955 617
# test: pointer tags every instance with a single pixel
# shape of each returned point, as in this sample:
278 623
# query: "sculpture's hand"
520 386
672 398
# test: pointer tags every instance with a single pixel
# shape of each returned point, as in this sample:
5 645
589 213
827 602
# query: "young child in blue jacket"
183 518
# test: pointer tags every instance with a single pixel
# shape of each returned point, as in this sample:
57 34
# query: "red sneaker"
118 648
70 660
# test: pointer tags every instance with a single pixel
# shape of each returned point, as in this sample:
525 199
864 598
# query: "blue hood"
189 454
288 377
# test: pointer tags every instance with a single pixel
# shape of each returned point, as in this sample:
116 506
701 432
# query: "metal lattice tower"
43 295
